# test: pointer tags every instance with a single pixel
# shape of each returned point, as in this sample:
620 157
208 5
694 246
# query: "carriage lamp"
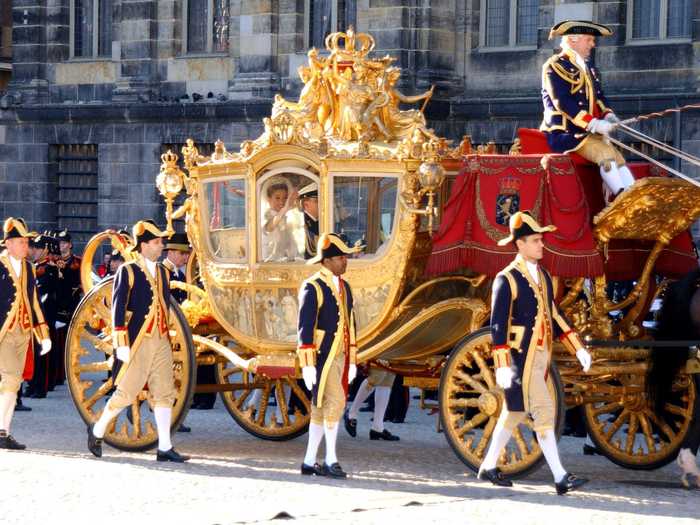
430 175
169 181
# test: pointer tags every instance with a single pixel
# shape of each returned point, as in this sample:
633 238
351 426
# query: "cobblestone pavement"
236 478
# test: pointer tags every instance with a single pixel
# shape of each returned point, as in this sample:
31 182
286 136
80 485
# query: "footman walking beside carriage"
524 320
141 341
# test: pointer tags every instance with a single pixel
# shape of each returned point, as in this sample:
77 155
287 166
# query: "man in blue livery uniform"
140 299
326 349
524 321
177 249
69 293
577 117
21 318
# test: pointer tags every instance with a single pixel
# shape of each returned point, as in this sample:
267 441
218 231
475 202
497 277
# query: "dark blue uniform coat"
523 318
571 97
326 323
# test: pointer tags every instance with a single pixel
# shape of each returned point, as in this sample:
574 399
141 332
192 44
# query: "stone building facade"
100 88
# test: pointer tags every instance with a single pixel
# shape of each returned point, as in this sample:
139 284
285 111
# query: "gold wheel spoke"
99 366
471 402
242 398
520 443
485 370
670 434
262 412
282 402
676 410
488 431
631 433
474 422
469 380
100 393
614 427
136 418
301 395
646 428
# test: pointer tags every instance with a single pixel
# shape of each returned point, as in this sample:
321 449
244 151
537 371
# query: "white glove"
45 346
584 358
612 118
309 375
59 325
352 373
504 377
123 353
602 127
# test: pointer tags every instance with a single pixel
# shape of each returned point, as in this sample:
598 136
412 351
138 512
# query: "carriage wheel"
273 409
627 430
88 365
471 402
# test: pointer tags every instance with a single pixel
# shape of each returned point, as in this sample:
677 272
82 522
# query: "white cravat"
532 268
16 266
580 62
151 267
336 282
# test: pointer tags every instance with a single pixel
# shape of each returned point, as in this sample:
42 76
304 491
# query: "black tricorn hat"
145 231
331 245
178 241
64 236
579 27
16 228
522 224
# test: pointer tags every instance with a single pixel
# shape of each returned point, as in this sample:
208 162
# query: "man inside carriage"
577 117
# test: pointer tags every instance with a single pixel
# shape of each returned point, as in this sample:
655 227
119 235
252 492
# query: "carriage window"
289 215
364 210
227 218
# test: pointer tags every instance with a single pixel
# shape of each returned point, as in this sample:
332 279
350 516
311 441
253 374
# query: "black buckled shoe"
690 481
334 471
171 455
184 428
350 425
94 443
569 483
384 434
316 470
590 450
10 443
19 407
494 476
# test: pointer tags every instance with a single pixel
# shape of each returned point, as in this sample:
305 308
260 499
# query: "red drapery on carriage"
491 187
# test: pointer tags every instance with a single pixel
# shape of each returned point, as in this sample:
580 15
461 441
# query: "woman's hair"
272 188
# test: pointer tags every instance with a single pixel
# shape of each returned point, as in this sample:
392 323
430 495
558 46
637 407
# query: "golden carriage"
382 177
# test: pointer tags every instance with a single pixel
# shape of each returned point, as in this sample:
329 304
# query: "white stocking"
499 439
686 461
626 176
163 419
362 393
612 178
381 401
7 408
548 444
315 437
331 432
108 414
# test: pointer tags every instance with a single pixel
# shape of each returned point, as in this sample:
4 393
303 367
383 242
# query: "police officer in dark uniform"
69 292
46 281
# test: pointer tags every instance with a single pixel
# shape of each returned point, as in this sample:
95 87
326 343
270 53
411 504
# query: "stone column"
29 82
255 22
138 31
